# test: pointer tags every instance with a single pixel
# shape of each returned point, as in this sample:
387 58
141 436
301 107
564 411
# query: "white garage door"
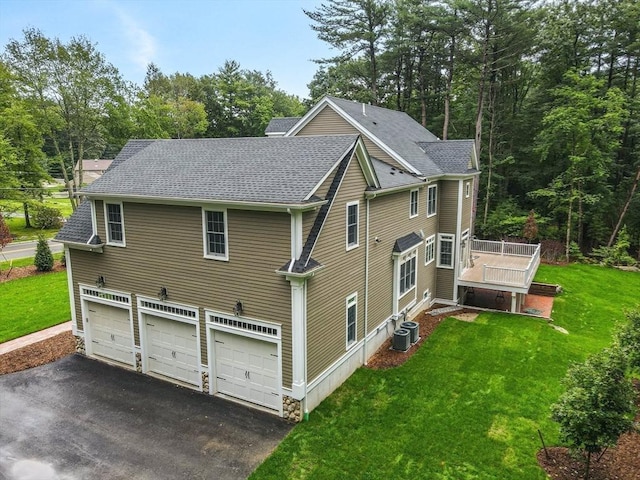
247 368
172 349
110 332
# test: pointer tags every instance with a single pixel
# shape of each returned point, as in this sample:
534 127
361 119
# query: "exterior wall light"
100 281
162 294
238 308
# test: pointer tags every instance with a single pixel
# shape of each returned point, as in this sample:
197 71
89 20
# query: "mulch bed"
619 463
28 271
37 354
387 358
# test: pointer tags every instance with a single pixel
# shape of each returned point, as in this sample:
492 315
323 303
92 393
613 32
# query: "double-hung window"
408 273
429 249
114 224
352 225
413 204
445 250
215 234
432 200
352 316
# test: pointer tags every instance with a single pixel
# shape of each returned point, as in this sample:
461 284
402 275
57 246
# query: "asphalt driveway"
77 418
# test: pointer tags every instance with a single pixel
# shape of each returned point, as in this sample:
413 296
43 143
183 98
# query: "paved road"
78 418
27 249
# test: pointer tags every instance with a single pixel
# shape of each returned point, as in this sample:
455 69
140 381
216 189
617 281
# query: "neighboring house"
266 270
91 170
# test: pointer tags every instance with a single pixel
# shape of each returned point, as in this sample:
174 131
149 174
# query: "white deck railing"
508 275
505 248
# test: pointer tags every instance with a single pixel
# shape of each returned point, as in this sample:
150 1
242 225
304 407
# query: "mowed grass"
33 303
469 403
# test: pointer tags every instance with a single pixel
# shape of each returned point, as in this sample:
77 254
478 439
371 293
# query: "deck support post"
514 302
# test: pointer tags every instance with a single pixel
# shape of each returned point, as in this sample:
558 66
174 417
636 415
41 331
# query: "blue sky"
186 36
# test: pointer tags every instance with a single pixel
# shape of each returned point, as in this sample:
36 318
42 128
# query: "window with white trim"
352 318
352 225
467 189
413 204
408 273
429 249
114 224
215 234
445 250
432 200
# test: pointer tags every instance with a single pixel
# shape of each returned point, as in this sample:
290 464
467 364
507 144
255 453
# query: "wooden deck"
501 265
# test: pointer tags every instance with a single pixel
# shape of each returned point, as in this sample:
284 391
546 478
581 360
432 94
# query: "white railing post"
484 272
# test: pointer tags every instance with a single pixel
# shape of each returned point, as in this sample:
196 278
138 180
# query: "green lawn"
17 225
30 304
468 404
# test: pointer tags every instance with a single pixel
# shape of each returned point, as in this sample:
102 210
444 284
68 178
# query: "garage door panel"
110 331
247 368
172 348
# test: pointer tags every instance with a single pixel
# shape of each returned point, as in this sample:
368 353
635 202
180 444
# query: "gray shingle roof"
452 156
397 130
281 170
390 177
281 124
78 228
408 241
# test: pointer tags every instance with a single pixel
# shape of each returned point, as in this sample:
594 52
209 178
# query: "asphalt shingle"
77 228
397 130
452 156
281 170
407 242
281 124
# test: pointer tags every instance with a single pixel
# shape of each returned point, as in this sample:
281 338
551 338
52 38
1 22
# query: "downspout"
305 415
457 251
366 287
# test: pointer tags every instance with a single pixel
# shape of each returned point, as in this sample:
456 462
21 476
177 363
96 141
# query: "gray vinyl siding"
165 249
343 274
328 122
447 213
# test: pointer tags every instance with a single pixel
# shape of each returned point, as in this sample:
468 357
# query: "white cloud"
142 46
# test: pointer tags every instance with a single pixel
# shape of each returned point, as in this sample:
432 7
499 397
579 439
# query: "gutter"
198 202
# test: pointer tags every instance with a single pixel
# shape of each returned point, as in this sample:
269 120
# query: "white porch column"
298 336
513 302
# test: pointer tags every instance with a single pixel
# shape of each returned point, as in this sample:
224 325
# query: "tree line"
547 88
63 102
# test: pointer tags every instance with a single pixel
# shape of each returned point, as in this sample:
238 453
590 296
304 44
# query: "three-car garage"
244 355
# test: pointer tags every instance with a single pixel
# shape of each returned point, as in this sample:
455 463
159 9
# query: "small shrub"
618 254
597 406
63 259
44 217
43 259
628 338
5 234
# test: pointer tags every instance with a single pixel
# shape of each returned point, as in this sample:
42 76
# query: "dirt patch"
28 271
387 358
619 463
38 353
466 317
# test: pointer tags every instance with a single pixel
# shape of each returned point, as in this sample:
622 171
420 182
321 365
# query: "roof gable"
452 156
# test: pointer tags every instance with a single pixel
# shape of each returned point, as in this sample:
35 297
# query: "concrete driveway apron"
77 418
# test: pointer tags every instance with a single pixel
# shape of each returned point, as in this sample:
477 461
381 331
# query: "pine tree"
43 259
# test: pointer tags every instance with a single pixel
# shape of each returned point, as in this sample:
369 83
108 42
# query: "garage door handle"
218 341
150 325
151 358
173 354
94 341
221 378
